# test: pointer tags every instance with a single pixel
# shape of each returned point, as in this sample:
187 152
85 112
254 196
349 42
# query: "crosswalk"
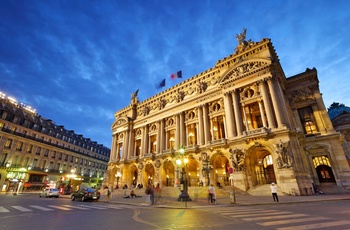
282 220
50 208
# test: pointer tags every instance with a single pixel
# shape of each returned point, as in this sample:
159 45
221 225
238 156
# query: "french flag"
176 75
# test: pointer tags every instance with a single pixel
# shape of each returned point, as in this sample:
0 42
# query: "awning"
28 184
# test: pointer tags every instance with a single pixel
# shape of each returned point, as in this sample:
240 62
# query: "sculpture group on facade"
284 159
238 159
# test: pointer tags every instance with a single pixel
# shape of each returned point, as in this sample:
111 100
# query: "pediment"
120 121
245 68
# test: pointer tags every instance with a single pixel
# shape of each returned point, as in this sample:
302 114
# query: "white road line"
22 209
113 206
60 207
292 221
317 225
77 207
270 213
2 209
94 207
274 217
41 208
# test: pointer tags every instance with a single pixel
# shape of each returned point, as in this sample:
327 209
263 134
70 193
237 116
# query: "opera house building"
241 122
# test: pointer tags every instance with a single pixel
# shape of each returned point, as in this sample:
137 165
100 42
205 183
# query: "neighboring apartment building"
241 121
35 152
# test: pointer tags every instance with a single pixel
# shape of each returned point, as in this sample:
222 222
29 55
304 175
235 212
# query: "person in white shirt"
274 192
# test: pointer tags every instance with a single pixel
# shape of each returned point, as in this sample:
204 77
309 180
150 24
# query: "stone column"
262 114
245 118
206 124
131 151
177 132
126 145
182 129
237 111
200 126
267 105
159 136
113 150
275 102
229 115
146 140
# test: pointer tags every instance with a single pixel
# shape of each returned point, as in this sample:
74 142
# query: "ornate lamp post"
118 175
182 162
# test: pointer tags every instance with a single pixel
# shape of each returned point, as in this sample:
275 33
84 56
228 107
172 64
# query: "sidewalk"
241 200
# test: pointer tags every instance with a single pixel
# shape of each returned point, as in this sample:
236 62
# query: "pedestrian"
159 193
152 194
211 194
148 194
273 188
108 195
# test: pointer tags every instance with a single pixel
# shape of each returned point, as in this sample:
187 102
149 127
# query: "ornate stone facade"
242 114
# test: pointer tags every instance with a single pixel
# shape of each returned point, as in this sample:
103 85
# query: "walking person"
152 194
212 194
108 195
273 188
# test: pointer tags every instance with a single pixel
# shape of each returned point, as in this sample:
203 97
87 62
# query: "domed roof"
335 111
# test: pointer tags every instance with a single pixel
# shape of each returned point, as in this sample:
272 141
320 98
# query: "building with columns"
242 114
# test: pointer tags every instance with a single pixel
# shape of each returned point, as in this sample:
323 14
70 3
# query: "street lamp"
182 162
118 175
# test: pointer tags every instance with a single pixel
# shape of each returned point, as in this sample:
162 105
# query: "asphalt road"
28 211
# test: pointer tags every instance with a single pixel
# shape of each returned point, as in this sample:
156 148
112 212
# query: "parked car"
50 192
84 194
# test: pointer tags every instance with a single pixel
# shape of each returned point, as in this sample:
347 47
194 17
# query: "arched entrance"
219 175
134 175
168 174
192 172
323 169
149 171
261 167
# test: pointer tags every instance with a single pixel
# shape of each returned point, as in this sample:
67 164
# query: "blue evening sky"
77 62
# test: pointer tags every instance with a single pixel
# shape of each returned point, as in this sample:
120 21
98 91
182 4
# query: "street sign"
230 170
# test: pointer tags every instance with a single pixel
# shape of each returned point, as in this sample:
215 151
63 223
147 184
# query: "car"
50 192
85 194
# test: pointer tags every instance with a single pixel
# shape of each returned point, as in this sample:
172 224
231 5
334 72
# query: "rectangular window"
120 150
308 120
38 150
46 153
171 141
29 148
53 154
35 162
19 146
153 147
8 143
192 134
138 147
218 127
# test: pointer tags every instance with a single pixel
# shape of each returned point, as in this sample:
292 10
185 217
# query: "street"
28 211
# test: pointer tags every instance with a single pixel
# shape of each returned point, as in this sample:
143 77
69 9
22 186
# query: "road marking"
113 206
280 222
77 207
22 209
95 207
274 217
261 214
2 209
317 225
60 207
41 208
